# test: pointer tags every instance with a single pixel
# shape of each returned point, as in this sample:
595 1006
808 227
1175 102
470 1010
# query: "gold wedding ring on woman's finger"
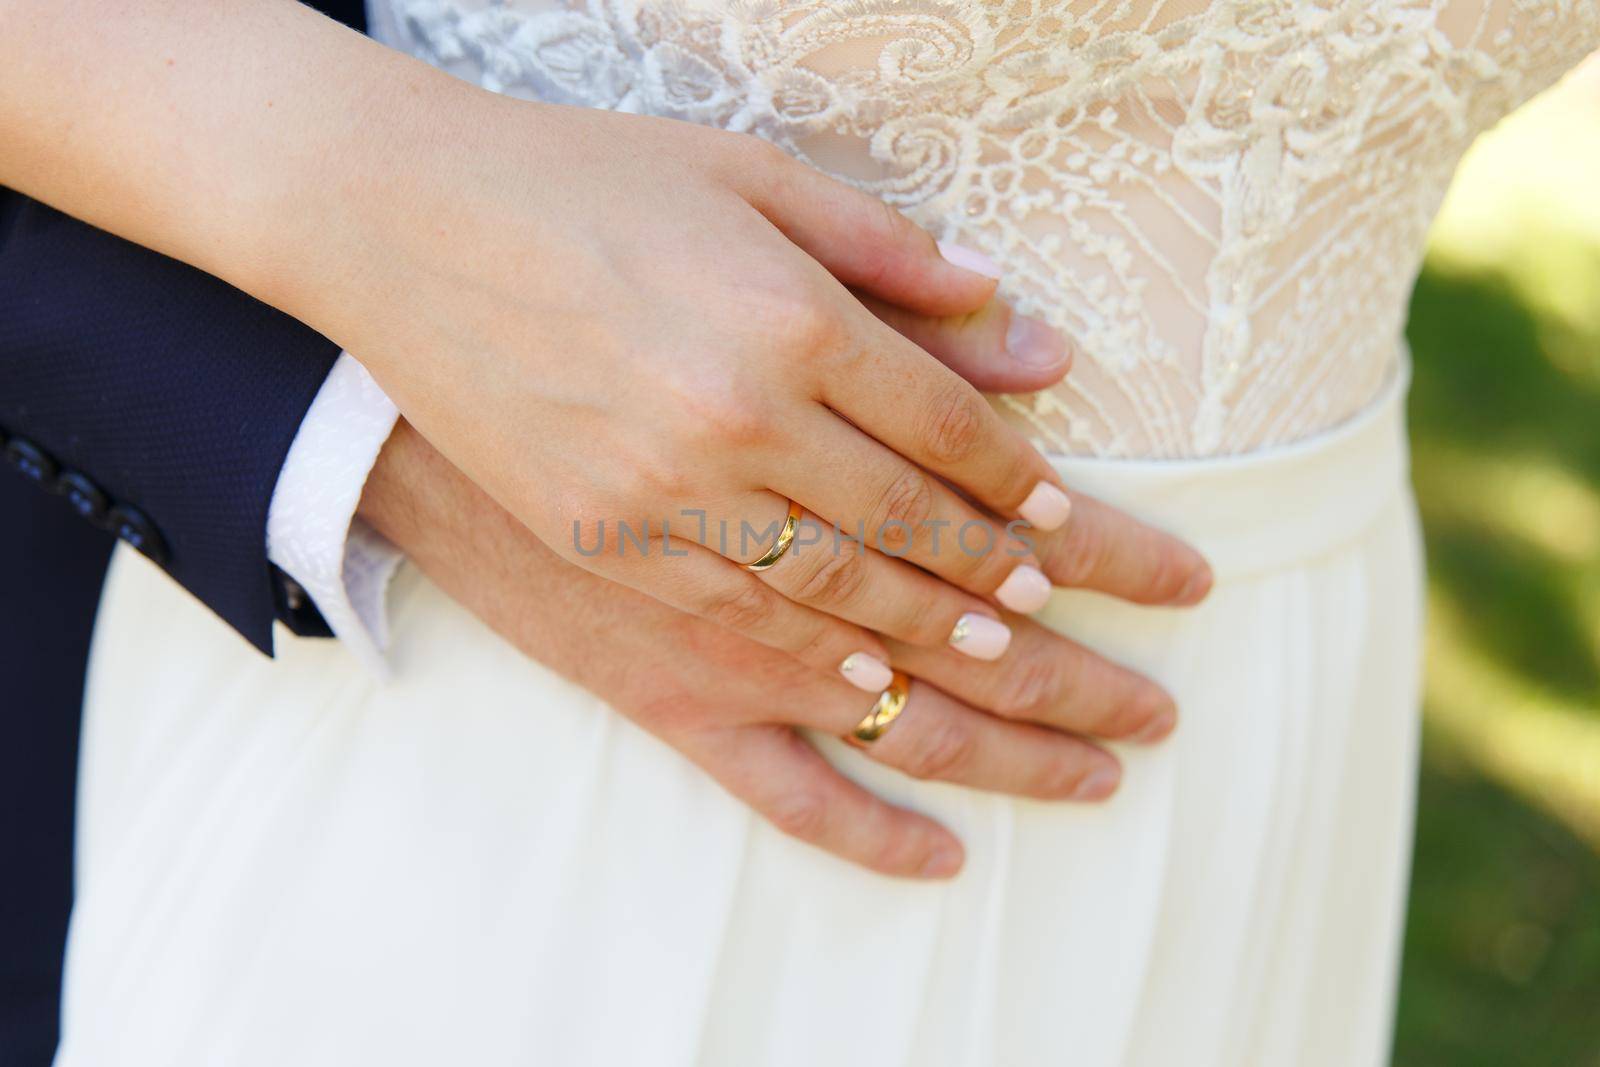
781 545
891 702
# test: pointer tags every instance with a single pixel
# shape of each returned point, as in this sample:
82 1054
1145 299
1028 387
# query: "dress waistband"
1271 509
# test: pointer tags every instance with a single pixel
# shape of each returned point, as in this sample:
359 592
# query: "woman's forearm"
226 134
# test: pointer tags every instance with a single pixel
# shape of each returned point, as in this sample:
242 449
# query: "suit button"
83 495
33 462
131 525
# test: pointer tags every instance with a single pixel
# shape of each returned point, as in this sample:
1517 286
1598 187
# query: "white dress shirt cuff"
313 533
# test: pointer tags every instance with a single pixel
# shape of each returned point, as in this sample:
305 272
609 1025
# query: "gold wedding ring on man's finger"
891 702
781 545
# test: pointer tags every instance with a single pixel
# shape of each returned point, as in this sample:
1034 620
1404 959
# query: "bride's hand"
1012 726
640 337
599 317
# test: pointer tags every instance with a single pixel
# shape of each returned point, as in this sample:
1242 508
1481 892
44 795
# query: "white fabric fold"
479 862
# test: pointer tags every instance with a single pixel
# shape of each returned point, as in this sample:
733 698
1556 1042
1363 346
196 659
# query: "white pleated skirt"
479 863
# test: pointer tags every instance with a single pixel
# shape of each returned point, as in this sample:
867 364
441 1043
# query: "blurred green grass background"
1502 954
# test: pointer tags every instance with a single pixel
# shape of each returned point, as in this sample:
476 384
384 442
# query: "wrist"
366 225
386 499
319 226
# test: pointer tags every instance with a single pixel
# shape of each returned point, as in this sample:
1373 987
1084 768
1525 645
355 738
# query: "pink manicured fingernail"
1025 590
980 637
867 672
969 259
1033 344
1046 507
1100 783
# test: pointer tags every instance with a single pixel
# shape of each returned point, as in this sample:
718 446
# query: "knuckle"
883 257
801 814
820 645
943 752
620 529
800 319
836 581
745 609
1138 710
954 423
712 412
584 524
903 507
896 851
654 480
1060 777
928 627
929 621
1028 689
1169 573
984 560
895 226
757 163
1024 469
730 422
1124 719
1080 555
629 486
766 152
668 713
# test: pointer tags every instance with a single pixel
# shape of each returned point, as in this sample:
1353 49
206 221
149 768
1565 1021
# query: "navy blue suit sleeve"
179 396
175 393
172 391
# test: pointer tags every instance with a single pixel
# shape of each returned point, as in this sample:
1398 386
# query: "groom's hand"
1017 725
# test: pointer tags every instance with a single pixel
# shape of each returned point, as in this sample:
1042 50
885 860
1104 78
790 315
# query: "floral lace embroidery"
1224 204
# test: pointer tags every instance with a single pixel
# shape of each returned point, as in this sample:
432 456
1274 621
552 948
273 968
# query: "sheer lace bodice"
1224 203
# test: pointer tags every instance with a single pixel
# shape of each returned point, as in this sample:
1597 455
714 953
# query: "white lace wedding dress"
1224 204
